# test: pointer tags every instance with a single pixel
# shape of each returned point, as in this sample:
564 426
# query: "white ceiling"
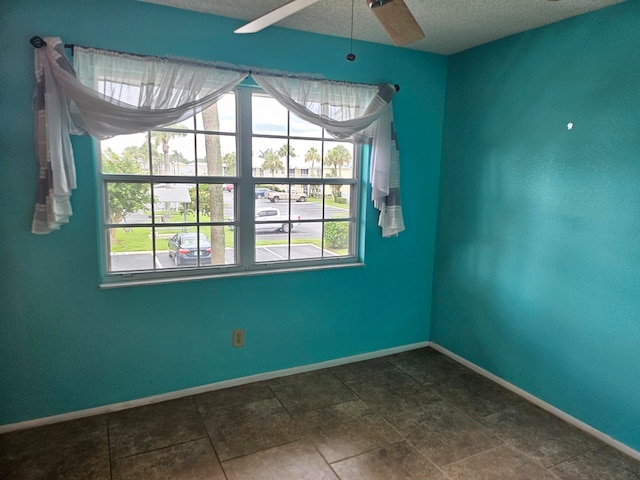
450 26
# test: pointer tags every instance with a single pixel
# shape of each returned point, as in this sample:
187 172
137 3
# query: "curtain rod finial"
37 42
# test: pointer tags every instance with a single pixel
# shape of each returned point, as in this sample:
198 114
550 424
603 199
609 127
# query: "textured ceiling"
450 26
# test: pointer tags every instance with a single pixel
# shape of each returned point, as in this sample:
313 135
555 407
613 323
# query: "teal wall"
537 275
66 345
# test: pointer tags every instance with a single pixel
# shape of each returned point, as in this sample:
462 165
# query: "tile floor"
414 415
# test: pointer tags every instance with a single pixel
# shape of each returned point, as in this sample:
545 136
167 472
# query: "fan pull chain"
351 56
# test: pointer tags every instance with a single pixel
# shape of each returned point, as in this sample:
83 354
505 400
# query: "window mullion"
245 199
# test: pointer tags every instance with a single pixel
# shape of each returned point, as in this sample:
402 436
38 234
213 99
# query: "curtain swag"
109 93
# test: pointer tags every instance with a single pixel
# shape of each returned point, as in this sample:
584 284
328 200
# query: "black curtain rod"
38 42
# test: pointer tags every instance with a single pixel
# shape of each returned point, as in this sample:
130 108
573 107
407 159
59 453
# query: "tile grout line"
211 387
204 425
403 437
428 391
538 402
599 447
358 398
109 446
305 436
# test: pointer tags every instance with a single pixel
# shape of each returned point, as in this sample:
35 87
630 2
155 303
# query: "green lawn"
138 239
328 201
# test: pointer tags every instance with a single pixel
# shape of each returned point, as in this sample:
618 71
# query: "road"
302 210
264 253
122 262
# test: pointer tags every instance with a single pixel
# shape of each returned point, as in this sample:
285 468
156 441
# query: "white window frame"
243 220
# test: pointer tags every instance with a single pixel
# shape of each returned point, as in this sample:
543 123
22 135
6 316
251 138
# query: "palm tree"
211 122
162 139
337 158
312 156
286 150
271 161
176 158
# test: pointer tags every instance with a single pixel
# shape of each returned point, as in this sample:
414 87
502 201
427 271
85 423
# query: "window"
245 186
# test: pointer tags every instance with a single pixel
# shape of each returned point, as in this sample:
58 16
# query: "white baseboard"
115 407
603 437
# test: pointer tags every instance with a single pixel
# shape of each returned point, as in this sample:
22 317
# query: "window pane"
302 128
172 203
219 117
311 209
189 247
216 155
217 202
128 202
337 238
269 117
337 201
306 241
308 160
269 157
271 253
129 249
170 151
338 160
271 220
125 154
223 242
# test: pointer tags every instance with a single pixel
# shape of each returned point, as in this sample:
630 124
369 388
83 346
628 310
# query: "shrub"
336 234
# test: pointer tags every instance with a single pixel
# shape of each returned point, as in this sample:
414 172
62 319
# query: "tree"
286 150
211 122
312 156
176 158
271 161
123 198
204 196
337 158
161 140
230 161
138 155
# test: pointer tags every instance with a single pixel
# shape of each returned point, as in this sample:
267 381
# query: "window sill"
136 282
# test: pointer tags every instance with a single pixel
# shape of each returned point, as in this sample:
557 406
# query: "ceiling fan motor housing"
378 3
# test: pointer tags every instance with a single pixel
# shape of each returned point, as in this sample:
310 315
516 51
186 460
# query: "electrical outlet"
238 338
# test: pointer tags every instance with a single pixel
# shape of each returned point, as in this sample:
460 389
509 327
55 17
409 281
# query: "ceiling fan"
394 15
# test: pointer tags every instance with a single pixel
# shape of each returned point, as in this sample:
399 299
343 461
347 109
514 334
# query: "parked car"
272 214
183 248
228 187
297 195
261 192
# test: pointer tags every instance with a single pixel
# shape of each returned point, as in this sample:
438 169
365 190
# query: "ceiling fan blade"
275 16
397 20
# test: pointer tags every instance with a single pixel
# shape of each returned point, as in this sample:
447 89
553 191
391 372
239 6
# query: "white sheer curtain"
361 113
115 93
118 94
